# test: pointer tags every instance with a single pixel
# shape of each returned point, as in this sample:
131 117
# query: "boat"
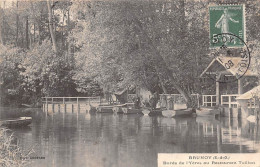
152 112
174 113
146 111
203 111
156 111
105 109
118 108
127 110
27 105
19 122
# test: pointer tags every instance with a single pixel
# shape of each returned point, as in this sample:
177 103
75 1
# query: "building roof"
218 65
255 92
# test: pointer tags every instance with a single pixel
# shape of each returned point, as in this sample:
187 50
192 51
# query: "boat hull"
204 112
118 109
105 109
153 112
146 112
131 111
175 113
20 122
156 112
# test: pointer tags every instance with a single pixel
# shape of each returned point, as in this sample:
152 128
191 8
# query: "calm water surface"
108 140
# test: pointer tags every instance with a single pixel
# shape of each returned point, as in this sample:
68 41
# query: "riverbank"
10 152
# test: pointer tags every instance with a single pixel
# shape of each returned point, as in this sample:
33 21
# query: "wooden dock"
69 104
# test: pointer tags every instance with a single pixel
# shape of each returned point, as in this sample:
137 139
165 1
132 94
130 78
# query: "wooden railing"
226 100
176 99
209 100
229 101
63 100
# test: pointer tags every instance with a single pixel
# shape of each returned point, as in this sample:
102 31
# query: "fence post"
78 108
198 100
52 108
211 101
229 101
63 100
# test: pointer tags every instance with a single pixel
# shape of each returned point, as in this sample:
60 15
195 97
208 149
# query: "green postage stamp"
225 20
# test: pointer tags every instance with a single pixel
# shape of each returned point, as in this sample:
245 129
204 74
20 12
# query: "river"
109 140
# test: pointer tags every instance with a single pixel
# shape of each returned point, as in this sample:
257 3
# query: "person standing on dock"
137 103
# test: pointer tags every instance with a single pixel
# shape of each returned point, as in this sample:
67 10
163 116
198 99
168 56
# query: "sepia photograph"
129 83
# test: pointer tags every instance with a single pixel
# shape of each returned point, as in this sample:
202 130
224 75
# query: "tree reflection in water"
87 139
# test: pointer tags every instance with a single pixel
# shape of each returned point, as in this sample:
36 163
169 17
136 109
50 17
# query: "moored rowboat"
152 112
156 111
27 105
19 122
146 111
118 108
207 111
174 113
131 110
105 109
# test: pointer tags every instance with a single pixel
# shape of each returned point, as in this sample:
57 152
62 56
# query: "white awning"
255 92
218 64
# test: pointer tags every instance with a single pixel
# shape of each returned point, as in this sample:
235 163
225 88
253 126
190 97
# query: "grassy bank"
11 154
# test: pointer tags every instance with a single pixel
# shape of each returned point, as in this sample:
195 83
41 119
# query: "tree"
10 79
133 43
51 26
1 26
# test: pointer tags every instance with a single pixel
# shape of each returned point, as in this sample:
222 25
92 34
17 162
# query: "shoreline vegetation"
11 154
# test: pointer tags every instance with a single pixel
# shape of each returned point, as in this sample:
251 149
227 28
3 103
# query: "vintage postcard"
129 83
